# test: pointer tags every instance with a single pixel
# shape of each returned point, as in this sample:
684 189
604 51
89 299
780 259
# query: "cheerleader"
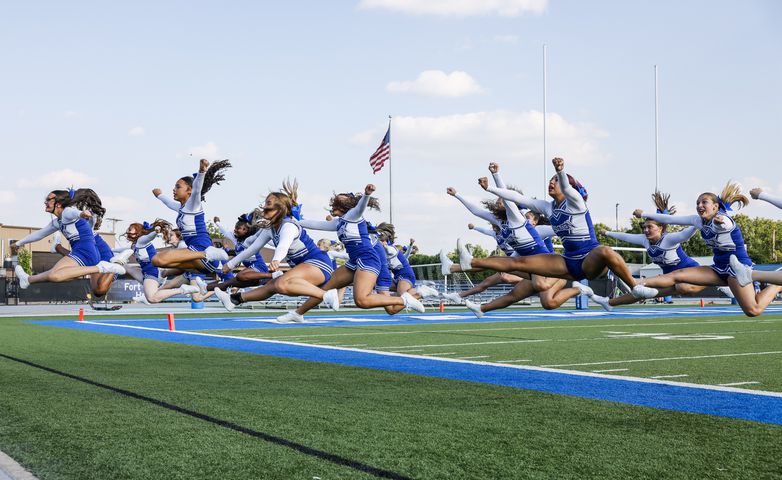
744 273
723 235
403 276
363 267
244 233
583 256
188 194
72 210
664 249
141 236
311 267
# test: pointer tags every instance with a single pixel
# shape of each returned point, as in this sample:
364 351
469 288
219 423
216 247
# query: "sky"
124 97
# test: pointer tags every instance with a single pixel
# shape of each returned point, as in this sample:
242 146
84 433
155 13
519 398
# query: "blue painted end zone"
759 408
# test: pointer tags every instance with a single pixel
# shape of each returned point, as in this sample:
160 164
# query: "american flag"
383 153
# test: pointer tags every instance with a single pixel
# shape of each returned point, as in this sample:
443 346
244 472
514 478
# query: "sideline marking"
671 376
611 370
736 383
661 359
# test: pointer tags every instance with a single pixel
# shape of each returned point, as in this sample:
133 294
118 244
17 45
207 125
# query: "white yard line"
476 356
637 360
681 375
438 345
736 384
610 370
491 364
512 361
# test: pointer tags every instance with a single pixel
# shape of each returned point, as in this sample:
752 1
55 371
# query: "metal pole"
656 135
545 175
390 171
617 217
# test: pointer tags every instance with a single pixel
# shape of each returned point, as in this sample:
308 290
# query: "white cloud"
136 132
436 83
506 38
58 179
464 139
210 151
461 8
71 114
7 198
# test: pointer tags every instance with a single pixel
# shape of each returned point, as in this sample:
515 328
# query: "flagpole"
545 161
390 174
656 135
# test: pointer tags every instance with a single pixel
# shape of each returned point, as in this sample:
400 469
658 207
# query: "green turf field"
407 426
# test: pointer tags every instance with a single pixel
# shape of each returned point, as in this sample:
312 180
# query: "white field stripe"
438 345
436 354
736 383
406 351
681 375
512 361
576 373
476 356
610 370
494 329
660 359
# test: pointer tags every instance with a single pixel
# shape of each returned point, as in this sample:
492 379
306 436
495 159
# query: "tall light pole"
617 217
113 223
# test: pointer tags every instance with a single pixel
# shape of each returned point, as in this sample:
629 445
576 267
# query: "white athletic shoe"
602 301
108 267
445 263
585 289
474 307
642 291
743 272
201 285
426 291
56 240
214 253
454 297
726 291
143 299
122 257
189 289
24 279
465 257
289 317
413 303
331 298
225 299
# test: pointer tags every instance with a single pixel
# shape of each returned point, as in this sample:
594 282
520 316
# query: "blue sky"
118 96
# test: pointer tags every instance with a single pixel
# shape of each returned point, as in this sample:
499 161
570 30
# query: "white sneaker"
465 257
56 240
726 291
24 279
143 299
189 289
122 257
225 299
743 272
214 253
585 289
108 267
331 298
426 291
602 301
454 297
290 316
445 263
201 285
475 307
412 303
642 291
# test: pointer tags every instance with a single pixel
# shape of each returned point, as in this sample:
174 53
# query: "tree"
25 259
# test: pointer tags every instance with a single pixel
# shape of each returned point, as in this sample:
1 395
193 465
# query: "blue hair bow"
71 192
724 206
195 175
664 212
146 226
247 217
582 191
296 212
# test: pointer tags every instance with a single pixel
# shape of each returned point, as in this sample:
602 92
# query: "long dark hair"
285 200
144 228
82 198
348 200
213 176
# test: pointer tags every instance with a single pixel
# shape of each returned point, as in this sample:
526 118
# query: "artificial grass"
416 426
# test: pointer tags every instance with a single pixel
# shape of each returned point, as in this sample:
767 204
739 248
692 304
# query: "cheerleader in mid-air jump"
723 235
72 210
583 256
664 249
189 192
